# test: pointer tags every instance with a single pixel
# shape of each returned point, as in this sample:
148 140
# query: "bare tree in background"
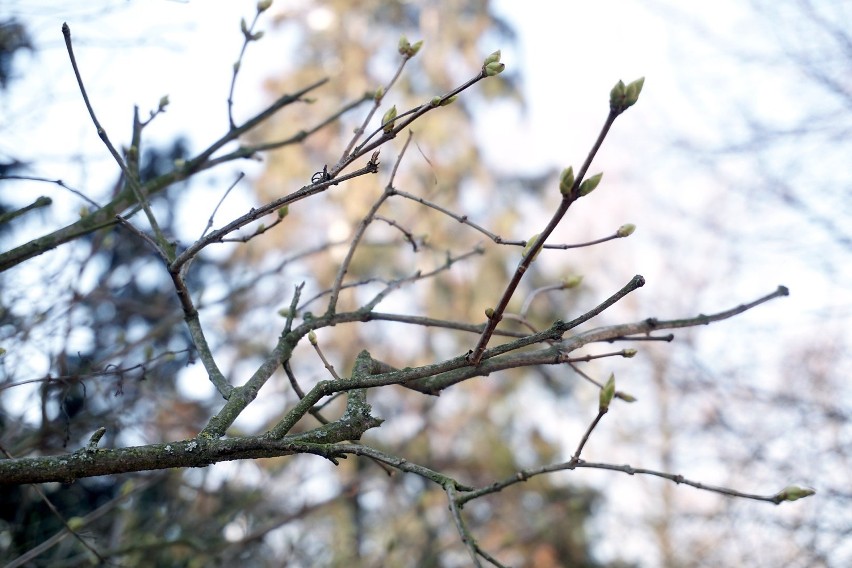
774 88
303 362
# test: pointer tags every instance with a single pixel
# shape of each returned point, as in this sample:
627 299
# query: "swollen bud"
406 49
489 312
622 97
616 95
566 181
263 5
625 230
164 102
631 94
312 337
403 46
493 58
572 281
492 65
794 493
388 118
628 353
494 69
590 184
449 100
607 393
532 240
282 212
625 396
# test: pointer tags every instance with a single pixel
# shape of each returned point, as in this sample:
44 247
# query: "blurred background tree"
105 295
748 414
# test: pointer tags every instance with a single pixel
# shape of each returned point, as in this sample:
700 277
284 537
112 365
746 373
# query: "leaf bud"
607 393
794 493
566 181
625 230
625 396
388 119
164 102
283 211
590 184
263 5
489 312
403 46
616 95
629 353
494 68
380 92
631 94
532 240
493 58
572 281
312 337
449 100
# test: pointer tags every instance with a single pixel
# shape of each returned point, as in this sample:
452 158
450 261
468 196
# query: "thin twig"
464 533
476 355
209 225
359 233
20 561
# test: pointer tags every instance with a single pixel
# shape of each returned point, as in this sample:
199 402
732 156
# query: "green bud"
449 100
566 181
631 94
412 51
83 211
435 102
75 523
590 184
629 353
403 46
625 230
625 396
388 119
263 5
380 92
284 312
256 35
164 102
489 312
607 393
572 281
493 58
494 68
312 337
532 240
282 212
794 493
616 95
243 26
